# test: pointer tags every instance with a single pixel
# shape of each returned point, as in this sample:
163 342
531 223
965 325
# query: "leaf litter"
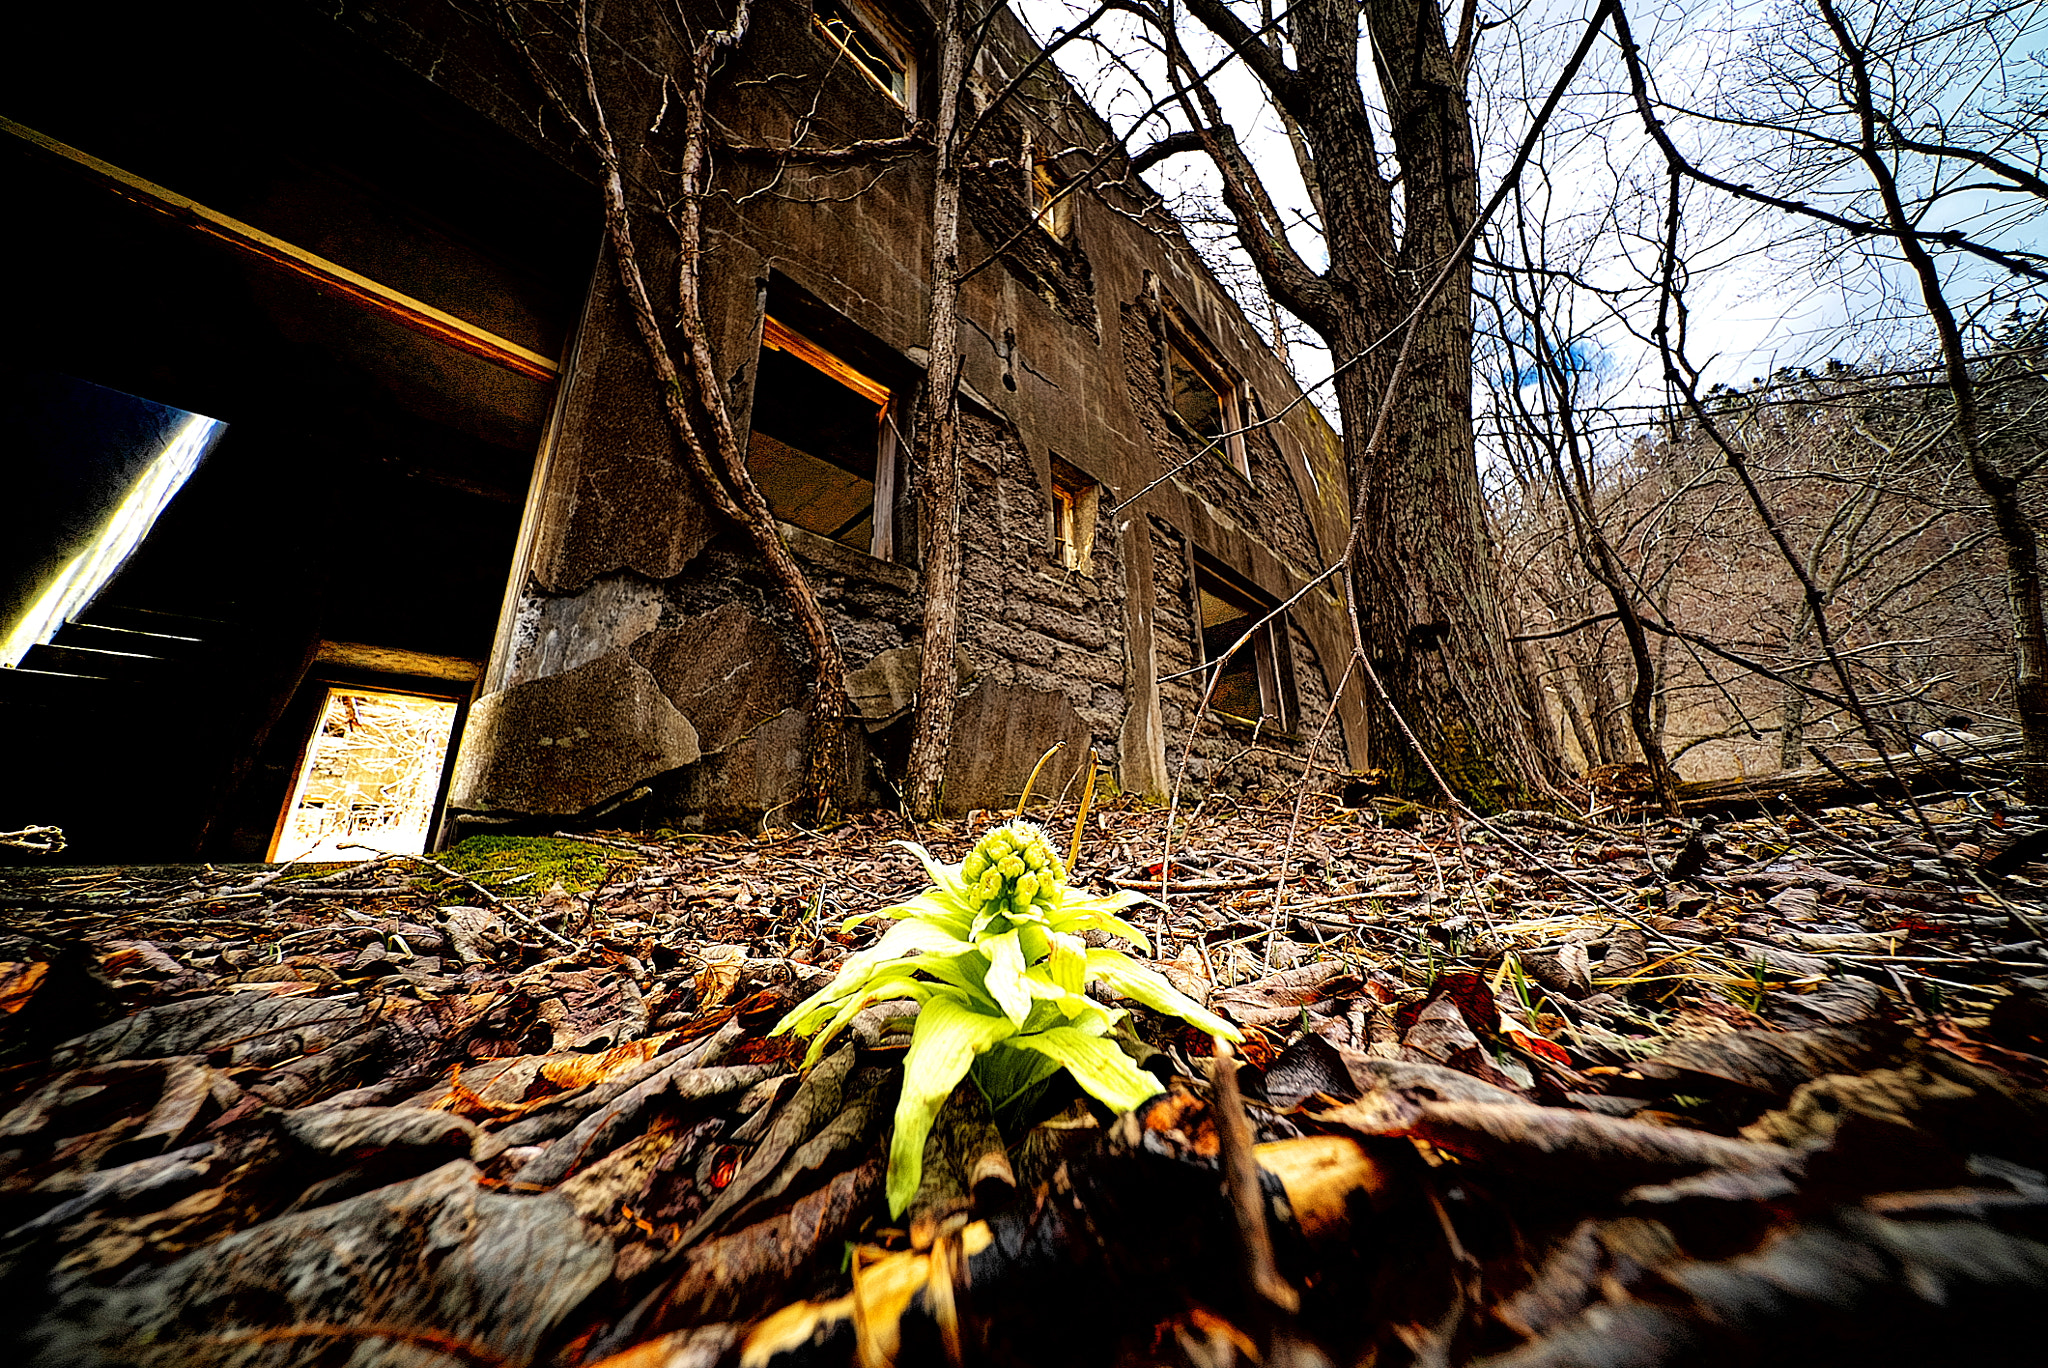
1526 1091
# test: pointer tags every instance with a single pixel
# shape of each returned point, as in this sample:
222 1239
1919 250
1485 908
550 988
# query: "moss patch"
496 861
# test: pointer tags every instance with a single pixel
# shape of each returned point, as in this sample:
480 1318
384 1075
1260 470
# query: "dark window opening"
874 44
1254 685
364 478
1075 500
822 445
1207 399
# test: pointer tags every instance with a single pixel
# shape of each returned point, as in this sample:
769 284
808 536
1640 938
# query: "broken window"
1254 685
1075 499
1207 398
370 777
823 447
874 44
1051 209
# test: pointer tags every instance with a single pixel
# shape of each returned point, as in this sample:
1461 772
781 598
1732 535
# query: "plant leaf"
1099 914
1068 962
1005 1074
944 875
905 942
1005 975
938 906
950 1033
902 986
1140 984
1096 1063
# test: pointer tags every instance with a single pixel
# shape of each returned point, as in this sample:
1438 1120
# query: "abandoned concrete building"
328 431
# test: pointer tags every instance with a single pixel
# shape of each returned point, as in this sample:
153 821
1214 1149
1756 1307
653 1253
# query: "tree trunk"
938 449
1434 627
1431 619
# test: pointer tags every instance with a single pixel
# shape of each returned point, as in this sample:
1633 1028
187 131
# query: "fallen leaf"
721 972
1771 1063
583 1070
1309 1066
18 984
1558 1145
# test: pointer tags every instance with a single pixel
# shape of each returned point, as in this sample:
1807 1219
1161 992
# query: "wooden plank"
161 645
26 687
357 655
94 664
330 276
778 338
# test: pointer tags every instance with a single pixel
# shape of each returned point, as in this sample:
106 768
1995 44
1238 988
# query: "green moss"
1467 768
496 860
1401 816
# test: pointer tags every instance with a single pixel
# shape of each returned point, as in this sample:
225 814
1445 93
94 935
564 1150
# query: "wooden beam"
776 337
391 660
330 276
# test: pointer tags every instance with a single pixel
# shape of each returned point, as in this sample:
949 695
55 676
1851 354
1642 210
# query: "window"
1051 210
369 777
1075 499
91 470
1207 399
874 44
823 448
1255 685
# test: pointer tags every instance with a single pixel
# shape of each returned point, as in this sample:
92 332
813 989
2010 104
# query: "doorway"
369 778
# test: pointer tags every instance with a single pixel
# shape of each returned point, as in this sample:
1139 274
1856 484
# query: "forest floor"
1535 1091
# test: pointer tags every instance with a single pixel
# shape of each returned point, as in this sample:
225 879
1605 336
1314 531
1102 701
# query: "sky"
1762 296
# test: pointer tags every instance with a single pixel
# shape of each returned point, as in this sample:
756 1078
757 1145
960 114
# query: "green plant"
993 956
1751 991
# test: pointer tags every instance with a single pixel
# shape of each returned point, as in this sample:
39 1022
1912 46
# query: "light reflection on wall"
116 539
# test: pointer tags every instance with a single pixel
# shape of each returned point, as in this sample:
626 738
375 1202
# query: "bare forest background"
1860 470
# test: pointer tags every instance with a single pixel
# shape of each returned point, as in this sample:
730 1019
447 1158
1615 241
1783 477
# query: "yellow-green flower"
992 953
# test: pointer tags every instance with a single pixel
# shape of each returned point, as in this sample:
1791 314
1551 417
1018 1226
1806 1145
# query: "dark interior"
818 469
369 484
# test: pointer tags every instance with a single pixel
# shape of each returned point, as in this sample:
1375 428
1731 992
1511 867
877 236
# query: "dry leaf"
18 984
721 972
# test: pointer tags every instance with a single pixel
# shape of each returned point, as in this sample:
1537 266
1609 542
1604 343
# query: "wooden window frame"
891 413
1231 395
1051 199
1076 500
885 40
1271 646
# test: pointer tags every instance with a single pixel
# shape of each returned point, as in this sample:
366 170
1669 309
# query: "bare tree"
1862 475
937 441
1387 154
1884 123
1539 409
